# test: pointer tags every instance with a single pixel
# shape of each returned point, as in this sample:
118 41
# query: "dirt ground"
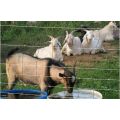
86 59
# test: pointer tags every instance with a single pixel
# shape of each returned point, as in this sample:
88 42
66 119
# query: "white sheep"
72 45
91 44
51 51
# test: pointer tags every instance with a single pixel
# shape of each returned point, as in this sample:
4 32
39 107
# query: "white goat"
51 51
72 45
91 44
106 33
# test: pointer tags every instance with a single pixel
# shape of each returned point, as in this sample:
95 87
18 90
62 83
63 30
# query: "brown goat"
46 72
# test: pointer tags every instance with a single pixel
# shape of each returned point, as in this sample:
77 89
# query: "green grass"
38 36
104 80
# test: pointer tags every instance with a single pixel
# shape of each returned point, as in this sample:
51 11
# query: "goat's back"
76 41
26 68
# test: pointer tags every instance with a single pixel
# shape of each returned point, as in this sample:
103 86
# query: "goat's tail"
12 52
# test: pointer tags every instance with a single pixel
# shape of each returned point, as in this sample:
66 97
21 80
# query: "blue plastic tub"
22 94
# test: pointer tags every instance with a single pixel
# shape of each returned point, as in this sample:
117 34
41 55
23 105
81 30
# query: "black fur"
51 62
82 32
12 52
61 75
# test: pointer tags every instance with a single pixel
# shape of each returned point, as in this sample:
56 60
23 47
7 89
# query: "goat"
52 51
46 73
91 44
106 33
72 45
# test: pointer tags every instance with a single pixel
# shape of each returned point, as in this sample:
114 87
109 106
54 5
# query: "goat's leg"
103 50
93 52
43 86
46 88
80 53
11 81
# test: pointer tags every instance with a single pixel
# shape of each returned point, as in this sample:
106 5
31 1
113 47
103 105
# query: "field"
99 72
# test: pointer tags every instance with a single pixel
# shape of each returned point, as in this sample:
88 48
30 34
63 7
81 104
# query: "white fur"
106 33
91 44
72 45
51 51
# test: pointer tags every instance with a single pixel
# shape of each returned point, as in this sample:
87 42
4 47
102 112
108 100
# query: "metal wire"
63 87
13 45
101 79
24 26
77 68
31 26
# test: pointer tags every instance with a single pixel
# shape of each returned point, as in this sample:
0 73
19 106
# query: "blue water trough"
22 94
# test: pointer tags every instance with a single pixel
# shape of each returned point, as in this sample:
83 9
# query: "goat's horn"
66 32
51 37
73 31
64 41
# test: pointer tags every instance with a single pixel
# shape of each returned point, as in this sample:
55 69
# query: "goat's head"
68 79
69 39
87 38
112 25
54 42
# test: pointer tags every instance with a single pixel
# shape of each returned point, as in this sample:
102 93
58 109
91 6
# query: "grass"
104 80
38 36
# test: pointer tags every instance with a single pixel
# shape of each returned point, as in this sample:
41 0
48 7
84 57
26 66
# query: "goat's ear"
61 75
66 32
111 22
51 37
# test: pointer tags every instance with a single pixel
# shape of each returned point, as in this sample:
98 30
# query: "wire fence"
56 27
14 45
77 68
69 67
24 26
80 78
23 84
